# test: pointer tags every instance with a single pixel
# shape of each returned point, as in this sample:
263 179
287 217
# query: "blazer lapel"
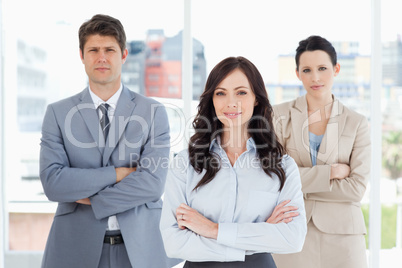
330 142
124 109
87 110
299 117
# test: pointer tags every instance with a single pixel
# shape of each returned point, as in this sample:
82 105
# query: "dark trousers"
259 260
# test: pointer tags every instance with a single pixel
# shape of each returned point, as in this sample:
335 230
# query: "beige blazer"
333 205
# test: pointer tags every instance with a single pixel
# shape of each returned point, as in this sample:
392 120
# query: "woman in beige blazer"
331 145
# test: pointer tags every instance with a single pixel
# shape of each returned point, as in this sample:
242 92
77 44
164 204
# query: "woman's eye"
220 93
306 70
242 93
322 68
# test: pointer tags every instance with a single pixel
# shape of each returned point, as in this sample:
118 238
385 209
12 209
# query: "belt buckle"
112 240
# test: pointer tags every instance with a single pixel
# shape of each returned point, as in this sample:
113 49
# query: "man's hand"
191 219
84 201
282 213
122 172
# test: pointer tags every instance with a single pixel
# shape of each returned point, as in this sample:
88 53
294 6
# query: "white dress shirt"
240 199
113 224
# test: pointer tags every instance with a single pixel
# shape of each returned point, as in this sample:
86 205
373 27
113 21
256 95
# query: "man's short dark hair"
102 25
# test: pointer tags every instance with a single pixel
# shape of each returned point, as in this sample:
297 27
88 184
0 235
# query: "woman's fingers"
283 203
184 206
287 220
180 215
184 213
287 209
283 213
277 209
282 210
182 209
288 215
281 207
189 218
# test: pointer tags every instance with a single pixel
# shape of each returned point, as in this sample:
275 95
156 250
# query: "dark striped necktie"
104 121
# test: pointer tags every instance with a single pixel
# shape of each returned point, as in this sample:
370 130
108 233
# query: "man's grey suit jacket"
76 163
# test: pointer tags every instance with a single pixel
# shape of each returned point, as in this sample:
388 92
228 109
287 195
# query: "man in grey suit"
103 158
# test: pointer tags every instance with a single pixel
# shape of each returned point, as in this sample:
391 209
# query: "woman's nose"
232 102
315 77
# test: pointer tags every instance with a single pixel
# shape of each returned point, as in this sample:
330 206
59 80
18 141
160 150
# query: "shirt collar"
251 144
112 101
217 142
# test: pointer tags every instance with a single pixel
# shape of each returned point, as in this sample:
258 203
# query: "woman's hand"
340 171
190 218
282 213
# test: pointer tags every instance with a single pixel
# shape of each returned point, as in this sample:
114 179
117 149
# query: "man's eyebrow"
97 47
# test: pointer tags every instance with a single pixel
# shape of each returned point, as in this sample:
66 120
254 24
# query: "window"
391 176
153 77
41 65
173 78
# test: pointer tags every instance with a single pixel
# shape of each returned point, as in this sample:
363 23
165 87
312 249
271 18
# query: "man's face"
103 60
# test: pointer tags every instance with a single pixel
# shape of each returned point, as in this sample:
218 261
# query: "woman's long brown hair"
207 126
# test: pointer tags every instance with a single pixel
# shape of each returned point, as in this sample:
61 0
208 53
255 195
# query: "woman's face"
234 100
317 73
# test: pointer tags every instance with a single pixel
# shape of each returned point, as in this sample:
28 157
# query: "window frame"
376 135
2 181
376 82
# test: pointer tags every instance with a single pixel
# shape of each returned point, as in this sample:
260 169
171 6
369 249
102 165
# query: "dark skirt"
263 260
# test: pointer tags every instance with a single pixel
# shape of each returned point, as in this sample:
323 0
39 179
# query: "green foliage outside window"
388 225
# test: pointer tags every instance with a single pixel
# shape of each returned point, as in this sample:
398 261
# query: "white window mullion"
2 181
187 68
376 127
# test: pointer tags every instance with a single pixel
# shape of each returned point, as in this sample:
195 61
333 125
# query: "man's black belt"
113 239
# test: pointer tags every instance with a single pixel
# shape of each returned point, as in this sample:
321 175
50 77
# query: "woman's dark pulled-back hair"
102 25
313 43
260 127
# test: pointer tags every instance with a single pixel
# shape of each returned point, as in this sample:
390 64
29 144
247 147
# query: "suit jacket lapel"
88 112
299 117
124 109
330 142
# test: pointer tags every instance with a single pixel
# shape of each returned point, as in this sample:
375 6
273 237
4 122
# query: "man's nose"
102 57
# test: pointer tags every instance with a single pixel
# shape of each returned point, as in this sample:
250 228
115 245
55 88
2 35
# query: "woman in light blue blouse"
233 197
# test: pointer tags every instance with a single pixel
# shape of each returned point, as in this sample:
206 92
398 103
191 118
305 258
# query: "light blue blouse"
240 198
315 142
